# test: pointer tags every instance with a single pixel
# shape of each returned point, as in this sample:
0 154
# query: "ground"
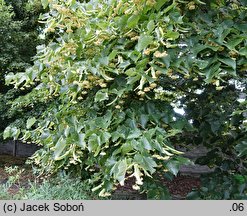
179 187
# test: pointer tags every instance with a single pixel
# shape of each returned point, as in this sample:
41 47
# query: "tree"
114 71
18 41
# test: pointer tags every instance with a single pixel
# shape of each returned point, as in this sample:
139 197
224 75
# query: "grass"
60 187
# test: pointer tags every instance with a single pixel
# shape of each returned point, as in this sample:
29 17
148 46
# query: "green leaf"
221 33
150 26
179 124
67 131
243 51
202 64
45 3
161 69
112 55
173 166
133 20
131 71
30 122
124 65
159 4
184 161
242 148
104 137
147 145
122 22
7 133
212 71
15 133
104 60
240 178
229 62
119 171
143 42
215 126
201 47
132 80
93 143
147 163
81 141
101 95
116 135
126 148
234 42
134 134
59 147
144 120
171 35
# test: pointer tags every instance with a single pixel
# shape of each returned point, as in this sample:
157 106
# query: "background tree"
18 41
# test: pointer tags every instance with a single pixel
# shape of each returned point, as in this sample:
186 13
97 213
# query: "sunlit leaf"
30 122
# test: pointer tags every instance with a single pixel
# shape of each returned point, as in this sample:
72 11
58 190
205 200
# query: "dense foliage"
18 41
112 75
221 187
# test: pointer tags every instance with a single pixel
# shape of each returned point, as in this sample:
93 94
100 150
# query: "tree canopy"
112 76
